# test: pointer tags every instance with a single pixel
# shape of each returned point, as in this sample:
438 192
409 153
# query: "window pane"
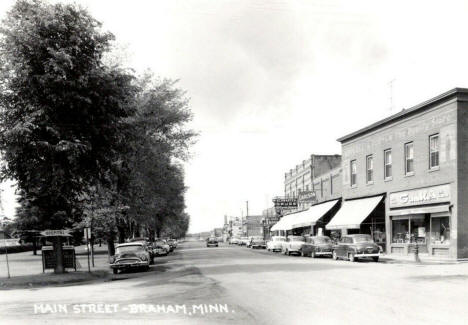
400 231
440 233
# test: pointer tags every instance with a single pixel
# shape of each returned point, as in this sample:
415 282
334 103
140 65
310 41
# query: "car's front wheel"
375 258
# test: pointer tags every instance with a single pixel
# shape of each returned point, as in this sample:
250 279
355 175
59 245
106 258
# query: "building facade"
298 181
416 161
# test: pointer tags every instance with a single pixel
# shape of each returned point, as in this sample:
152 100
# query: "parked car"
133 255
293 244
257 242
163 243
159 250
353 247
172 244
275 244
148 245
317 246
212 241
243 241
234 241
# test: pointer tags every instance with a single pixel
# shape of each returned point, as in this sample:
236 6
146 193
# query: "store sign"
307 197
285 202
60 232
428 195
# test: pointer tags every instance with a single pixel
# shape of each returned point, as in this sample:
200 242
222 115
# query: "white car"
276 243
293 244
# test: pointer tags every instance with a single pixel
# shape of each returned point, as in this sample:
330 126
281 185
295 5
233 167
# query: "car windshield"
322 240
129 249
296 238
363 239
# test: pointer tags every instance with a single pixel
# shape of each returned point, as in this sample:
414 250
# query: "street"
238 285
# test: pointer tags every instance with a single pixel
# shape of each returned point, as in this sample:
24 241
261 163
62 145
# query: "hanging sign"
56 233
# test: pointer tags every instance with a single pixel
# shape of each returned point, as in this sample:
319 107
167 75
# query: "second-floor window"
370 169
409 158
434 151
353 168
388 164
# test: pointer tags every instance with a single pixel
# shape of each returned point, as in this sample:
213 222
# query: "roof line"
404 112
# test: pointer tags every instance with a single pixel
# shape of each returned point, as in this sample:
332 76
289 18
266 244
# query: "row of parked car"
139 253
349 247
250 242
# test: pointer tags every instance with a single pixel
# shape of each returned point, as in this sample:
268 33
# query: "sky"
271 82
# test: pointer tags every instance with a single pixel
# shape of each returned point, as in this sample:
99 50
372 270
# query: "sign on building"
307 197
427 195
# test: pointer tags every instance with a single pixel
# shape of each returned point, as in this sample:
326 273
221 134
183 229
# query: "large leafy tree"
63 112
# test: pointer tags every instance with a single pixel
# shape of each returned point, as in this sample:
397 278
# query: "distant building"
254 225
325 172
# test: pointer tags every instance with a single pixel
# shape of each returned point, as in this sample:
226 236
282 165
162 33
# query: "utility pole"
247 204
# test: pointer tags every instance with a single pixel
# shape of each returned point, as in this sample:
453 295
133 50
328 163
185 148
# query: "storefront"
421 217
307 222
361 216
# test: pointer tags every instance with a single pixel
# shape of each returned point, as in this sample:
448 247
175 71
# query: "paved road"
236 285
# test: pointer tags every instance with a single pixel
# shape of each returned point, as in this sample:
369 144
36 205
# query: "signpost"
6 253
87 233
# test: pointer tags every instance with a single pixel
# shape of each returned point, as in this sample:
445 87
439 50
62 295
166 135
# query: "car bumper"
324 253
129 265
367 255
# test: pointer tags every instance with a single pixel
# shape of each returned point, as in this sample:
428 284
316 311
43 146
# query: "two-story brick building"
405 178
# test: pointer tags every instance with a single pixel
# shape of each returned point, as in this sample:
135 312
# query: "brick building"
324 170
405 178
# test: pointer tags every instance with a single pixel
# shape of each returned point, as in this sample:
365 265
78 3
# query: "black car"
212 241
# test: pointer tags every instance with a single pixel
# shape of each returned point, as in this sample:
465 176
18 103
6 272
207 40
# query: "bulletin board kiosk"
49 256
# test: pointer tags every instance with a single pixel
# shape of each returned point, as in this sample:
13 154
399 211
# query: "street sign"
56 233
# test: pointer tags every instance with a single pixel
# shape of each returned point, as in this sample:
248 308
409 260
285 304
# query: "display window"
418 230
400 229
440 231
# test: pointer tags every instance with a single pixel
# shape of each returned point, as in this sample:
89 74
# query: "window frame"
407 144
435 135
387 177
351 173
371 180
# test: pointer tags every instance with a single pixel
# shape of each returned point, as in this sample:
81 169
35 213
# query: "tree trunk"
110 246
58 255
34 242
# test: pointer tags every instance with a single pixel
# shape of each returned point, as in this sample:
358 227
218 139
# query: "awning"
353 213
285 223
310 216
420 210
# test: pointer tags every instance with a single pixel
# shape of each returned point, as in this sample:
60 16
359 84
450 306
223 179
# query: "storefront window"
440 231
400 229
418 230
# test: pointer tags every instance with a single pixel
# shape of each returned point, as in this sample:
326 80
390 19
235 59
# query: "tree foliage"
86 140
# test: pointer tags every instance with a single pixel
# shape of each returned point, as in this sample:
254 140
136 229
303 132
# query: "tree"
153 180
63 113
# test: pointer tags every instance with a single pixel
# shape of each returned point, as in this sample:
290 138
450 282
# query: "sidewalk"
426 259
